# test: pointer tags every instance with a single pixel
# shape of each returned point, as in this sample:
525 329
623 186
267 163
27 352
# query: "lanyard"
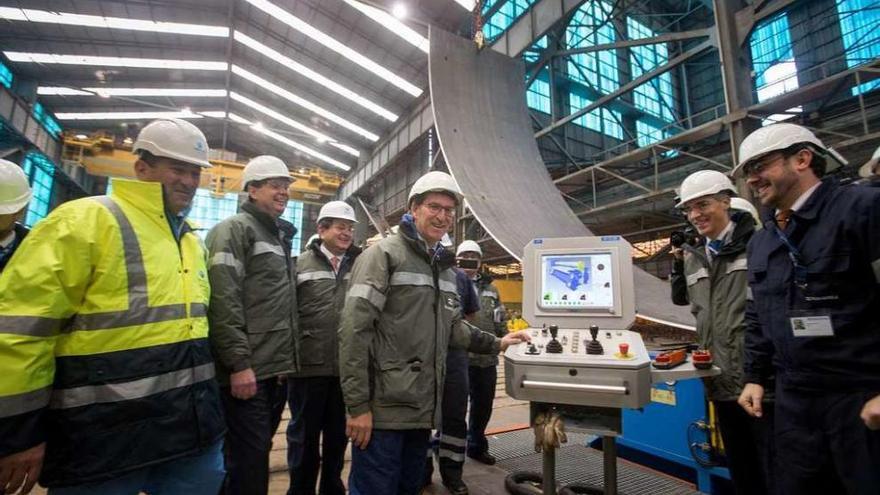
800 270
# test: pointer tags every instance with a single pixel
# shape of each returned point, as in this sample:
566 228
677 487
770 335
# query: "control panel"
563 346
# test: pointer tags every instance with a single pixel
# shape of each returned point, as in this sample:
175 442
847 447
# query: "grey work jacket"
716 291
252 314
400 316
320 297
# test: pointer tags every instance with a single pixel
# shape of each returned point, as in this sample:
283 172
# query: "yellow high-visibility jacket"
103 340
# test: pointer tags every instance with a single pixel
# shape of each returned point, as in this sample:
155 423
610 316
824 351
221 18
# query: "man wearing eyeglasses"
401 314
812 315
712 279
253 320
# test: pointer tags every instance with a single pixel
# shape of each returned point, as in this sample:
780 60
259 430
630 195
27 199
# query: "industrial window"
860 28
5 76
655 96
533 53
591 26
498 22
601 119
294 214
773 62
46 120
41 175
538 96
209 209
647 134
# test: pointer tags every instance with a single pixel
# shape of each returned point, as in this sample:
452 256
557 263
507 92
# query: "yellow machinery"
103 155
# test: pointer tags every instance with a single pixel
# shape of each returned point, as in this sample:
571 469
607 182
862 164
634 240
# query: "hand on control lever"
514 338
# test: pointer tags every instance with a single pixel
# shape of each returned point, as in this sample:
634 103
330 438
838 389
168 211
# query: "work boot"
484 457
455 486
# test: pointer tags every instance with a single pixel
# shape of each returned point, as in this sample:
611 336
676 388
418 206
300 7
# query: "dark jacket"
253 295
837 232
401 314
490 311
716 291
6 254
320 296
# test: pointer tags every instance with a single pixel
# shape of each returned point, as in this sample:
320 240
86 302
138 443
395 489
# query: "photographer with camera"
712 279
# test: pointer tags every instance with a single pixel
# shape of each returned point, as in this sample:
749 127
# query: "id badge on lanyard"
804 322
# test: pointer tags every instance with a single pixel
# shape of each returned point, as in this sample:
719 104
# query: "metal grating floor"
577 463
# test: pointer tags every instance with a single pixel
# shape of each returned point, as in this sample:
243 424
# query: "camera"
686 236
468 264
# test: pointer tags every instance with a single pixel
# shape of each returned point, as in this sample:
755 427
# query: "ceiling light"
127 140
81 136
392 23
32 15
399 11
308 105
292 123
64 91
314 76
125 115
331 43
149 63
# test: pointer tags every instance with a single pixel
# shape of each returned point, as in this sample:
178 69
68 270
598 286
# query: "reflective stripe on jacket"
253 301
103 340
321 295
490 301
400 316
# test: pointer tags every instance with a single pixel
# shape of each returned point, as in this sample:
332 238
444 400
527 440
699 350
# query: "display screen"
576 281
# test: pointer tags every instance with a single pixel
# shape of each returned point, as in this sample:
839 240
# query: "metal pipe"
609 461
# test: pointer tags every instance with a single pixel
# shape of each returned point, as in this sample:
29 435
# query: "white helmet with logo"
468 246
264 167
435 182
337 209
777 137
176 139
15 193
703 183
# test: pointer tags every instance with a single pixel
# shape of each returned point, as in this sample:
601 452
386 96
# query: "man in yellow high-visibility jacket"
108 381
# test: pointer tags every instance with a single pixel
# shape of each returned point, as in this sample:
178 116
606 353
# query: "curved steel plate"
483 126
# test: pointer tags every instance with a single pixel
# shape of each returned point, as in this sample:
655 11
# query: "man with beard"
253 320
712 279
812 316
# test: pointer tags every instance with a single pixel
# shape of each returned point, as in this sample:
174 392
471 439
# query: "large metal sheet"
483 126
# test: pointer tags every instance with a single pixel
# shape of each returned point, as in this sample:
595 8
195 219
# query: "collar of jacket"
443 258
743 228
147 197
275 225
350 254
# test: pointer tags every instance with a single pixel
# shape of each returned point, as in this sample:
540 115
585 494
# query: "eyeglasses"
435 209
757 166
700 206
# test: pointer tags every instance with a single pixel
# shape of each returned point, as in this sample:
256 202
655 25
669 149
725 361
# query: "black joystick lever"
595 347
554 347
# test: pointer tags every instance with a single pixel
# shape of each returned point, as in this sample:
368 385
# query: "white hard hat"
468 246
264 167
776 137
15 193
337 209
174 138
703 183
743 205
867 169
435 182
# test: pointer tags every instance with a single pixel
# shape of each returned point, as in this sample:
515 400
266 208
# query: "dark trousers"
451 439
823 445
316 435
250 426
482 387
392 463
748 443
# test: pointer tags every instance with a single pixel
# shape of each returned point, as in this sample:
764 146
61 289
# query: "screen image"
576 281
